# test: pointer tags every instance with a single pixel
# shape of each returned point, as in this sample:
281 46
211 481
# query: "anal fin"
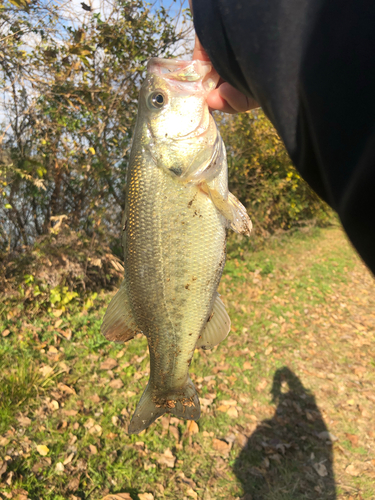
118 323
233 210
217 326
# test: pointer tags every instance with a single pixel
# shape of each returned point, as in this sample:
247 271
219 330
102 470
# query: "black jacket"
311 66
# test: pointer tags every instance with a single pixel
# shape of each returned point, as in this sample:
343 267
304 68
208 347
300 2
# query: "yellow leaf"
42 449
192 427
92 151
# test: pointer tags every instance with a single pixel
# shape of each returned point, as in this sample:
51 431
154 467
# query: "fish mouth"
196 71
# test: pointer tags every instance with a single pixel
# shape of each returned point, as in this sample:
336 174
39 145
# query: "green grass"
299 362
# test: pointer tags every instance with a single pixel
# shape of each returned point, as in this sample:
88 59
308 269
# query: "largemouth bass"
174 236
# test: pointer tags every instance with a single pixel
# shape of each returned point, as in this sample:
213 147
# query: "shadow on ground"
289 456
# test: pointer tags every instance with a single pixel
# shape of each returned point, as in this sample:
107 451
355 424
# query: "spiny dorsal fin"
118 323
217 326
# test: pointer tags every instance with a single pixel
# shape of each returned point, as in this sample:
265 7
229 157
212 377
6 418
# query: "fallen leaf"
247 366
262 385
327 436
268 351
73 484
93 449
58 323
96 430
5 332
89 423
59 467
321 469
146 496
167 459
42 449
57 313
108 364
68 459
191 493
232 412
352 470
66 333
353 439
69 413
174 431
46 370
116 383
4 441
24 421
192 427
220 445
241 440
119 496
52 350
65 388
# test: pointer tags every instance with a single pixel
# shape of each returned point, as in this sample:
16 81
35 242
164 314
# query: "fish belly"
174 257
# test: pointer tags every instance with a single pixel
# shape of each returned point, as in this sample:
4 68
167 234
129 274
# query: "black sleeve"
311 66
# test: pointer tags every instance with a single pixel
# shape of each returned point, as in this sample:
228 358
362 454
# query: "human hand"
225 97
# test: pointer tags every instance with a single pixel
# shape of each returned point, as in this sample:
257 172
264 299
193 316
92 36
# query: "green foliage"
262 176
71 82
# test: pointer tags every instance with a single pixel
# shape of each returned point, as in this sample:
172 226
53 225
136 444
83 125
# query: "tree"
70 86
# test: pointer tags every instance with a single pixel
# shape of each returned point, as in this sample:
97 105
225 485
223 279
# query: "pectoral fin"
232 209
217 326
118 323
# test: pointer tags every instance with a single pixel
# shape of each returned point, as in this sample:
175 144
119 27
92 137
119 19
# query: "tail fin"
183 403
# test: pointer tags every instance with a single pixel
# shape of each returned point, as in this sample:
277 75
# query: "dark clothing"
311 66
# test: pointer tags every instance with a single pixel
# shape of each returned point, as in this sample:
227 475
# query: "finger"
199 52
230 100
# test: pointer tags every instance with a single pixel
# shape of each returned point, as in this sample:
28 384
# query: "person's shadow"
288 457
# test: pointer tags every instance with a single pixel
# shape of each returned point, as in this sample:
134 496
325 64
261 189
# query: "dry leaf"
108 364
58 323
262 385
241 440
167 459
321 469
5 332
93 449
73 484
116 383
24 421
268 351
232 412
174 431
352 470
66 389
247 366
89 423
59 467
66 333
220 445
46 370
57 313
68 459
353 439
42 449
191 493
96 430
118 496
192 427
146 496
69 413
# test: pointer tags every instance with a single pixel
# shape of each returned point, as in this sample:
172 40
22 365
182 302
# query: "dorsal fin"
217 326
118 323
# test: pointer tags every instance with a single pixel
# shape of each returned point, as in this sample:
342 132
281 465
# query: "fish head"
181 133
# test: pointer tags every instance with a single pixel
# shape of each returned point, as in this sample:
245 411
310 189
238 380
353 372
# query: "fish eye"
157 100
